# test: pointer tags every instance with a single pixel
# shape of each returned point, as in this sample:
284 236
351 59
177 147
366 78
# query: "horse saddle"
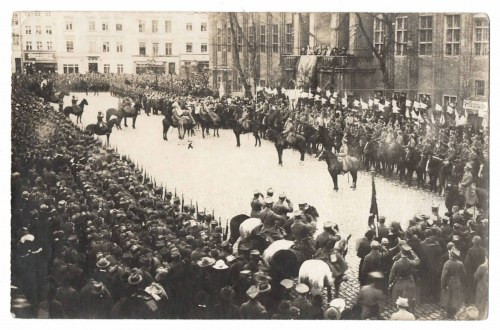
348 163
245 123
102 126
128 109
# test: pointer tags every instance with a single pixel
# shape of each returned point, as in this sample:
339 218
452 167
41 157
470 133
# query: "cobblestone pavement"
216 169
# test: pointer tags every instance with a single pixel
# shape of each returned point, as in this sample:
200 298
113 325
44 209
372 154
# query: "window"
154 26
119 47
422 97
105 27
105 47
39 45
204 47
70 68
288 38
92 47
15 19
141 25
92 26
401 35
49 45
69 26
203 27
48 29
219 39
452 39
189 47
168 26
38 30
425 35
168 48
155 49
171 68
15 39
28 45
239 39
229 39
107 68
189 26
119 27
481 36
251 36
275 38
447 100
378 34
69 46
142 48
28 29
479 87
262 38
119 68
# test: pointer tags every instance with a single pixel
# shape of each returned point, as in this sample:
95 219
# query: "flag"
407 114
318 89
328 93
344 102
356 103
442 120
332 100
335 95
438 107
380 107
376 101
408 103
364 105
423 105
449 108
373 218
370 103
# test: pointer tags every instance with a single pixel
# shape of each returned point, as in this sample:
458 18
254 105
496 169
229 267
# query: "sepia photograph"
249 165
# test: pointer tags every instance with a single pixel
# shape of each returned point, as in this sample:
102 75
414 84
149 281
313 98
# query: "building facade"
444 57
110 42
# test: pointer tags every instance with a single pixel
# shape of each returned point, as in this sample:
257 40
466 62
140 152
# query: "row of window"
452 38
225 39
167 26
119 47
39 45
38 29
15 17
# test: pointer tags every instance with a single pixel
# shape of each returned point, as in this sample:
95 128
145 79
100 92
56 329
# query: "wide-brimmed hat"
252 291
205 262
220 264
264 287
135 278
338 303
97 287
287 283
376 275
302 288
332 313
268 200
328 224
454 252
102 263
403 302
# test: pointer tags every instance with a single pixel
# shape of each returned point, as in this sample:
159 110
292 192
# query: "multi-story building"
117 42
441 56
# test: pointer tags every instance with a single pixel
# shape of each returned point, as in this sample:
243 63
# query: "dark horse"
97 129
281 142
123 112
208 120
238 128
76 110
56 98
335 167
173 120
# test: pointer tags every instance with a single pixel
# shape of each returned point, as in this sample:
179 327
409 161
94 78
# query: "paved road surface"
222 177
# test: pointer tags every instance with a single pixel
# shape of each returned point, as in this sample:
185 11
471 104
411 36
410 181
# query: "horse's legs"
125 121
237 139
133 121
354 175
302 154
202 130
107 139
179 130
218 132
335 183
280 155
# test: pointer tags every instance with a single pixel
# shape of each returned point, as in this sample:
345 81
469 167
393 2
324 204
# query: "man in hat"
329 232
256 263
467 187
271 221
364 248
100 123
256 204
402 314
252 309
430 266
370 297
373 261
302 302
283 205
452 279
401 278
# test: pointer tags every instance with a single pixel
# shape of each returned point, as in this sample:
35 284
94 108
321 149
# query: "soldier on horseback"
343 154
289 127
100 123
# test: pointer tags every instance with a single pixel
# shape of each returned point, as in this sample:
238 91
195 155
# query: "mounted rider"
180 113
288 128
343 154
100 123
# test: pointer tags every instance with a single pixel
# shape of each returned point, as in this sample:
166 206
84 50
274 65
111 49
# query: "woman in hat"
452 278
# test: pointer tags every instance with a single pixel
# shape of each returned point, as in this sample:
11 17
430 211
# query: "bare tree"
236 30
384 55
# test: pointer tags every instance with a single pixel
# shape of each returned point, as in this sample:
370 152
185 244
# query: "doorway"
93 67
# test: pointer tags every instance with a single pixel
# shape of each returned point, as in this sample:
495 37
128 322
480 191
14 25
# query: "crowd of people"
93 237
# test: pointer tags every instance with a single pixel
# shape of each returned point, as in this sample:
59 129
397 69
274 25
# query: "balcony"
325 63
